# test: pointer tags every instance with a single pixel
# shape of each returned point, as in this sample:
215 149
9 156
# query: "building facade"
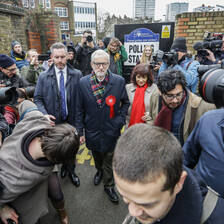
144 9
175 8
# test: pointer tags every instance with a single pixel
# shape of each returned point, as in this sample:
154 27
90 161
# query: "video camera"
212 42
8 96
211 86
170 56
156 57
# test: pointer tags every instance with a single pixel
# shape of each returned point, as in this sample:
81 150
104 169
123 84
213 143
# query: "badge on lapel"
110 101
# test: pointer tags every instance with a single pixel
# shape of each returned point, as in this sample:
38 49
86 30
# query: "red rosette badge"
110 101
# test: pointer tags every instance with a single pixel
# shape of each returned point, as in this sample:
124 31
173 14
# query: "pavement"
87 204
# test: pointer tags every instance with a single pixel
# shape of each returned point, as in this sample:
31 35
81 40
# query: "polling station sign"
135 42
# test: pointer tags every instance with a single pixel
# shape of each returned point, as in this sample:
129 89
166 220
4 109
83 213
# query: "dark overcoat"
47 96
101 131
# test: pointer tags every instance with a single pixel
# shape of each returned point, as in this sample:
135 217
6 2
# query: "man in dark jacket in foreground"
55 95
102 105
149 174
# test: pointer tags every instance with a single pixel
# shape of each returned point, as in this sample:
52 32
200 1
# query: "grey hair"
58 45
100 52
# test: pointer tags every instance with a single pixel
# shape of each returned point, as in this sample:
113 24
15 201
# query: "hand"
50 62
146 115
34 61
82 139
120 44
211 56
90 44
49 117
157 67
8 213
2 85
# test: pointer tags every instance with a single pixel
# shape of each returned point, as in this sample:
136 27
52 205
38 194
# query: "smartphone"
43 57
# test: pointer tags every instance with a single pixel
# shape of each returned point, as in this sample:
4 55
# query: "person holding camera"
118 55
31 72
178 59
84 51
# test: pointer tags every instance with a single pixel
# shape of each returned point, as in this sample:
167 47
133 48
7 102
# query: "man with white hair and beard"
102 105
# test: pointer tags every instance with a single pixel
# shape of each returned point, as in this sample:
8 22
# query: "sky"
125 7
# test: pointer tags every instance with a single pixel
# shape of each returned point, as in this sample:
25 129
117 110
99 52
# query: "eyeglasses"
11 70
99 64
178 96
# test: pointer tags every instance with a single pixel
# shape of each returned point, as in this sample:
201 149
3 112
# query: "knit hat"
179 44
6 61
71 49
14 42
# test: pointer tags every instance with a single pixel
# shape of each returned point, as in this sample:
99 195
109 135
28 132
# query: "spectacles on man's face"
11 69
100 64
178 96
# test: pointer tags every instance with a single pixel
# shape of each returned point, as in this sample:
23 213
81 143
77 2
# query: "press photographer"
178 59
211 50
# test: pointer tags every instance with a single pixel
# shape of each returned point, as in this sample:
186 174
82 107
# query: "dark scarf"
138 105
22 55
98 88
164 117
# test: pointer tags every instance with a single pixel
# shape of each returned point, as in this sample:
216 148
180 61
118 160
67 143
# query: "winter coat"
101 131
189 69
194 102
204 149
24 183
131 94
47 97
188 205
19 61
84 58
123 57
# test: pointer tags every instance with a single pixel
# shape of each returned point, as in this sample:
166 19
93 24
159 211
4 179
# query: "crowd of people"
171 151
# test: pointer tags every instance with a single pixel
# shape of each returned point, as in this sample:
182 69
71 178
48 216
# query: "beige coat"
194 103
25 184
131 93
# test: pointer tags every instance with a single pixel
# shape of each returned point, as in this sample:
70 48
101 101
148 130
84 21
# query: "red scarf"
138 106
164 117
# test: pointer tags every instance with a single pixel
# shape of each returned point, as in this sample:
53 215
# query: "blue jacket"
205 148
19 61
47 97
101 131
189 71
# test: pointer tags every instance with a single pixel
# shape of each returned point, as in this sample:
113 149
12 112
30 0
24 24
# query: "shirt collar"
58 70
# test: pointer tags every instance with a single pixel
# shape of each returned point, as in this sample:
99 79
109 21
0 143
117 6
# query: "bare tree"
102 29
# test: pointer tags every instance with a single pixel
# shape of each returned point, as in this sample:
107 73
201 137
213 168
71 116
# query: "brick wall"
31 29
193 25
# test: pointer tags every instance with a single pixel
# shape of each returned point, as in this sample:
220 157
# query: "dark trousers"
69 167
103 163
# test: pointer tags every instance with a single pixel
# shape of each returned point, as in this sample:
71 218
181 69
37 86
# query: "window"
48 4
85 10
75 8
93 10
64 25
82 10
25 3
62 12
32 3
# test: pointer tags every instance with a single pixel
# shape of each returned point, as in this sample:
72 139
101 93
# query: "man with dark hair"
149 174
18 55
55 96
84 51
183 62
174 107
101 109
27 159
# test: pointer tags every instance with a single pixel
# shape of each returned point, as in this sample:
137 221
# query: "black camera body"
169 56
154 61
89 38
43 57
